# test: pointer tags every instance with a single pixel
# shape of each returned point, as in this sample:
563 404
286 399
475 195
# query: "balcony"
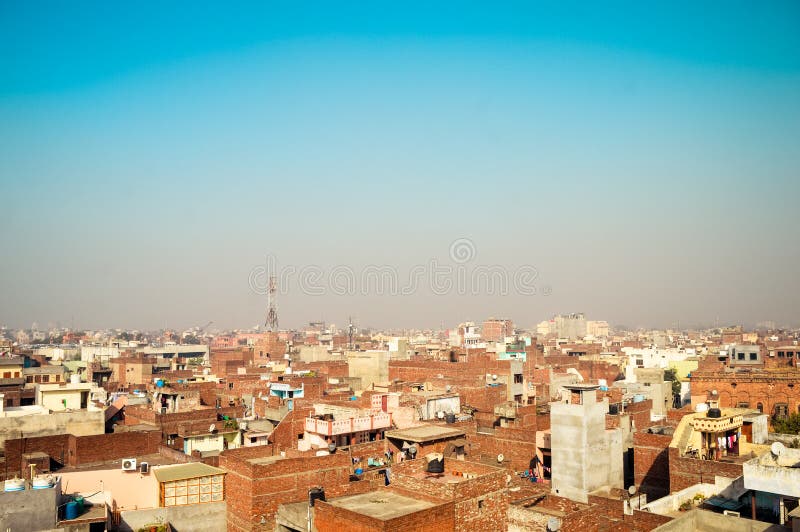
718 424
348 426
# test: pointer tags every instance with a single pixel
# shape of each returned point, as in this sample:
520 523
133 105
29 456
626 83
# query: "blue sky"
643 157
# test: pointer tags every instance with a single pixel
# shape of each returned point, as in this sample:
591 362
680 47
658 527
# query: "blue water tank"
638 398
160 383
71 510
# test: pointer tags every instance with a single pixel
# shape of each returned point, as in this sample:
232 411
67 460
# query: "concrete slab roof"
425 433
184 471
382 505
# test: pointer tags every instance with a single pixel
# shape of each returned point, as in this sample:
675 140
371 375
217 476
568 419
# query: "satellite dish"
494 377
631 490
777 448
412 450
212 427
500 458
440 414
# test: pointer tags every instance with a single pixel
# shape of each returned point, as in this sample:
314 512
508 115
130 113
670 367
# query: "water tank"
71 510
14 484
702 407
450 418
79 501
714 412
75 378
42 482
435 463
315 494
638 398
160 383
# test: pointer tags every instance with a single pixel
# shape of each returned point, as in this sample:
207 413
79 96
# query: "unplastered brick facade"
69 450
685 471
330 518
766 389
256 487
480 503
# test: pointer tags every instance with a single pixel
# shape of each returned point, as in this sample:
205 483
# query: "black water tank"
450 418
714 412
436 466
315 494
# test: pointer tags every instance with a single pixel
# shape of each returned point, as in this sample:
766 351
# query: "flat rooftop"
184 471
265 460
382 505
425 433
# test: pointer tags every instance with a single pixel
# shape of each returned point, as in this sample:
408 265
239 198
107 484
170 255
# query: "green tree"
671 375
787 425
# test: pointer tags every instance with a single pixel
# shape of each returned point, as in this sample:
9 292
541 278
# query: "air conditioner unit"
129 464
144 468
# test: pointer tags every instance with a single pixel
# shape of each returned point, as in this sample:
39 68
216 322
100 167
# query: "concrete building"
341 426
44 375
68 396
30 509
776 476
570 326
744 355
36 420
372 367
585 456
652 358
597 329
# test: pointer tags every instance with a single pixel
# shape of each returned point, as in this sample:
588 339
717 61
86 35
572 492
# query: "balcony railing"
350 425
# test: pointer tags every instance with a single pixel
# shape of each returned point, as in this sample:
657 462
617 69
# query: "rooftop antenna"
350 331
272 308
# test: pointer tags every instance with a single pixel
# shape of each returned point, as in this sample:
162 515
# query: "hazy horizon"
641 158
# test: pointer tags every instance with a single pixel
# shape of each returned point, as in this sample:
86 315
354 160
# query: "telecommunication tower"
272 308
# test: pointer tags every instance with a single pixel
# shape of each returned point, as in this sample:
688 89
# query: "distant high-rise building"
571 326
598 329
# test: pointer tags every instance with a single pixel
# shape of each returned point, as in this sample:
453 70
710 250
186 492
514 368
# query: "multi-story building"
496 330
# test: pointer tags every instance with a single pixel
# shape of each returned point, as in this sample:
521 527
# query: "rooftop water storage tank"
14 484
315 494
42 482
71 510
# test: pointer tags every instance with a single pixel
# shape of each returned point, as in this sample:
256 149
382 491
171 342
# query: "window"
518 378
781 410
740 356
6 374
781 354
230 386
480 503
742 405
760 407
753 356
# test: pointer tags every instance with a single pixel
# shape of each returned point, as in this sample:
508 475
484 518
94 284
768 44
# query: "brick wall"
330 518
685 472
651 463
69 450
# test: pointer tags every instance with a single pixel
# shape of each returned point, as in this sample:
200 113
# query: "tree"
671 375
787 425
